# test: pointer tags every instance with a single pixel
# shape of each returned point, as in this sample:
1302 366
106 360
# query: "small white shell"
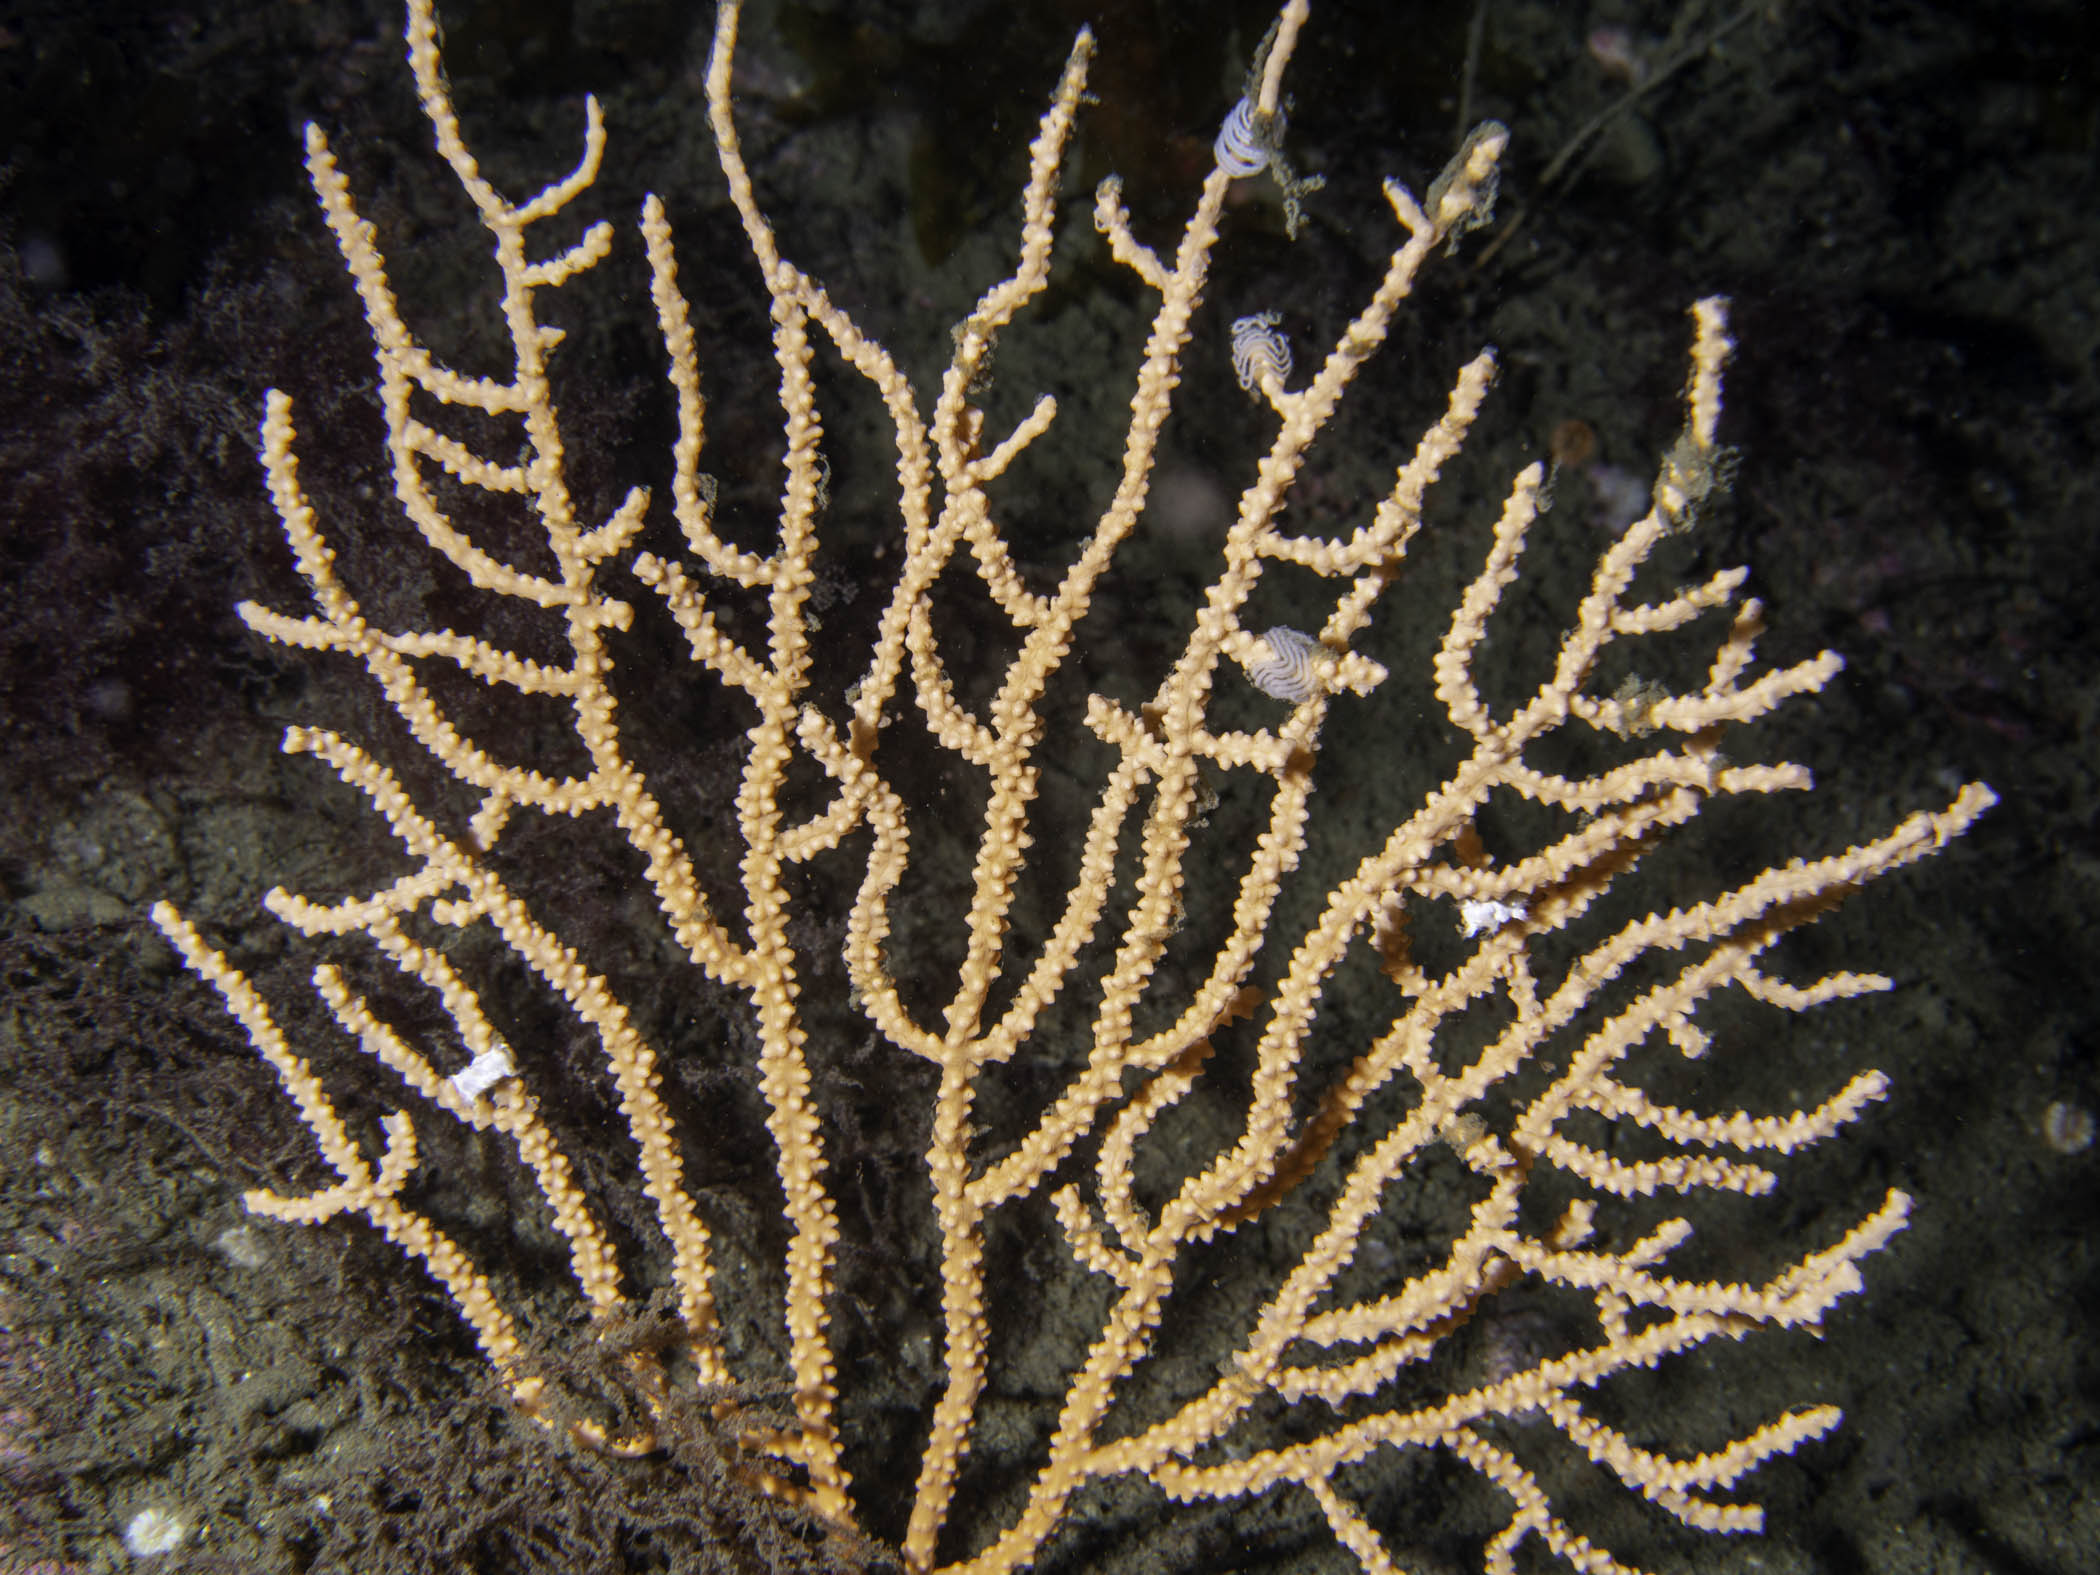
485 1071
2067 1128
1259 346
1483 914
1239 151
1290 669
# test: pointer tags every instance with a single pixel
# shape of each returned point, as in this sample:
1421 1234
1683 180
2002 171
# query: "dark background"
1898 199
